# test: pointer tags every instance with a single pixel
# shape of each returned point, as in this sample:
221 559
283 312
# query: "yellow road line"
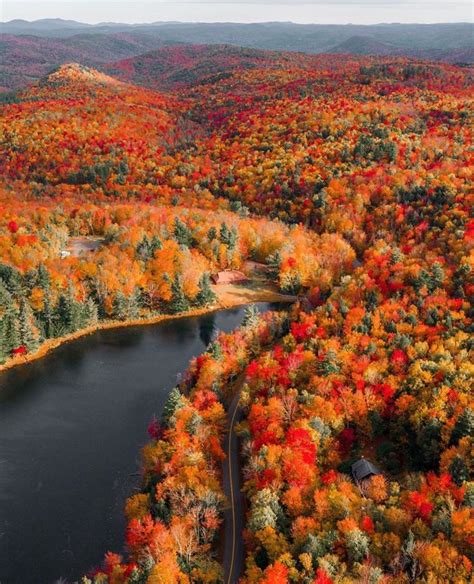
231 569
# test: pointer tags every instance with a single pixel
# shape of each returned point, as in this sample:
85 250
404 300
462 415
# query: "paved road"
234 515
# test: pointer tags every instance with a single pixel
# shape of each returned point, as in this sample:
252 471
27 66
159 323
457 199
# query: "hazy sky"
304 11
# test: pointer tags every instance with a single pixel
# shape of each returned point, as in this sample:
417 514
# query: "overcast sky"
303 11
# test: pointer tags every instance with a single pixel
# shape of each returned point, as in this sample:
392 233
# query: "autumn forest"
339 184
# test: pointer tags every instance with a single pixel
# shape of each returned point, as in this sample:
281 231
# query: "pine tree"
5 299
91 312
173 403
12 280
62 316
133 304
266 510
437 276
212 234
4 353
274 263
11 327
464 426
357 544
215 350
120 306
458 470
329 364
205 295
143 248
182 233
68 314
251 316
43 278
27 328
343 308
155 244
228 236
46 317
179 302
290 284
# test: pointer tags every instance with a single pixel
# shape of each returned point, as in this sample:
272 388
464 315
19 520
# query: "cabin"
229 277
363 469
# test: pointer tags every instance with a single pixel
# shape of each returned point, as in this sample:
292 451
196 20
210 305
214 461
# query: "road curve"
233 515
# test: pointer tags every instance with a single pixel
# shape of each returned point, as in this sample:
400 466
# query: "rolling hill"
26 58
28 50
365 45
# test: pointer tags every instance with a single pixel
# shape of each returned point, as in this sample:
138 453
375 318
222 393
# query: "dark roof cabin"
363 469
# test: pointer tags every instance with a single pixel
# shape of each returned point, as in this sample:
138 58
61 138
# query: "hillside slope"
347 182
30 50
26 58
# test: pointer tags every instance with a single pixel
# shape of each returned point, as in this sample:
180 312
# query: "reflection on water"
207 328
71 427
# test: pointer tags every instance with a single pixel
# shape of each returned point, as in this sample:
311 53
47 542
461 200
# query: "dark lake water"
71 428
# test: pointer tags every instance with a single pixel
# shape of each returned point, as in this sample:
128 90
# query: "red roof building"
229 277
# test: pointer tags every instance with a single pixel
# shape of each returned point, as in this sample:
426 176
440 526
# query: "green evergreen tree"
319 546
120 307
11 328
437 276
12 280
182 233
290 284
155 245
4 353
27 327
228 236
134 303
179 302
212 234
224 233
91 312
266 510
357 544
251 316
343 308
274 263
43 278
62 317
173 403
329 364
464 426
215 350
458 470
46 317
205 295
143 248
442 522
429 444
69 315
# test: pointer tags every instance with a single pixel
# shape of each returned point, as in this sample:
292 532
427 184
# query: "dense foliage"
360 171
147 260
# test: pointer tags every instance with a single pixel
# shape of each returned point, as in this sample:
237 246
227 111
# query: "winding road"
234 515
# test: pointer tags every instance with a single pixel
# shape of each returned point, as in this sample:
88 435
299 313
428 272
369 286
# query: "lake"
71 428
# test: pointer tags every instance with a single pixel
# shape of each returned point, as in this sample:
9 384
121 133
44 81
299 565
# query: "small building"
229 277
363 469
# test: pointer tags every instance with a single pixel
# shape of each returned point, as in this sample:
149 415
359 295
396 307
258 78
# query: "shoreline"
224 302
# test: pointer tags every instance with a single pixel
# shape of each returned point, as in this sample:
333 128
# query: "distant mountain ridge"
29 50
269 35
365 45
